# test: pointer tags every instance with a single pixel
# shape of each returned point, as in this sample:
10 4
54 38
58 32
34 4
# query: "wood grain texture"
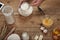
31 24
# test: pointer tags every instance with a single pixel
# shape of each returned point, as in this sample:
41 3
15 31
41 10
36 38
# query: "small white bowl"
13 37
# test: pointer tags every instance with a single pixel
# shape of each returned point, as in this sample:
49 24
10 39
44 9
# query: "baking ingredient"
41 37
45 30
56 33
25 6
25 9
42 28
47 22
25 36
36 37
13 37
7 12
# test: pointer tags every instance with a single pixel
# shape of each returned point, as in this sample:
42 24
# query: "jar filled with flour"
8 12
25 9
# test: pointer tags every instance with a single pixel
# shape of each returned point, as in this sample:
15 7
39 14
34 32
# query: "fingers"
21 2
37 2
34 1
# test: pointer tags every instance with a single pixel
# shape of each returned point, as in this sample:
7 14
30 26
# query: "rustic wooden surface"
31 24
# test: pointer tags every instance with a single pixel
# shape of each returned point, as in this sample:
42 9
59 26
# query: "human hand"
36 2
21 1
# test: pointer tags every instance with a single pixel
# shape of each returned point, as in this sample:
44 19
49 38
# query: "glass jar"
47 21
8 12
56 33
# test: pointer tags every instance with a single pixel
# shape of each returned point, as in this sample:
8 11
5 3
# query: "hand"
21 1
55 37
36 2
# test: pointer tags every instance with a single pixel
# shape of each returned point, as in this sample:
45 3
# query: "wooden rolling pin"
9 33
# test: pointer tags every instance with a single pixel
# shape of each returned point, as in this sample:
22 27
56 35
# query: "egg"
25 36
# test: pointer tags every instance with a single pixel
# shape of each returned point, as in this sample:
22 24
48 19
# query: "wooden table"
32 23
